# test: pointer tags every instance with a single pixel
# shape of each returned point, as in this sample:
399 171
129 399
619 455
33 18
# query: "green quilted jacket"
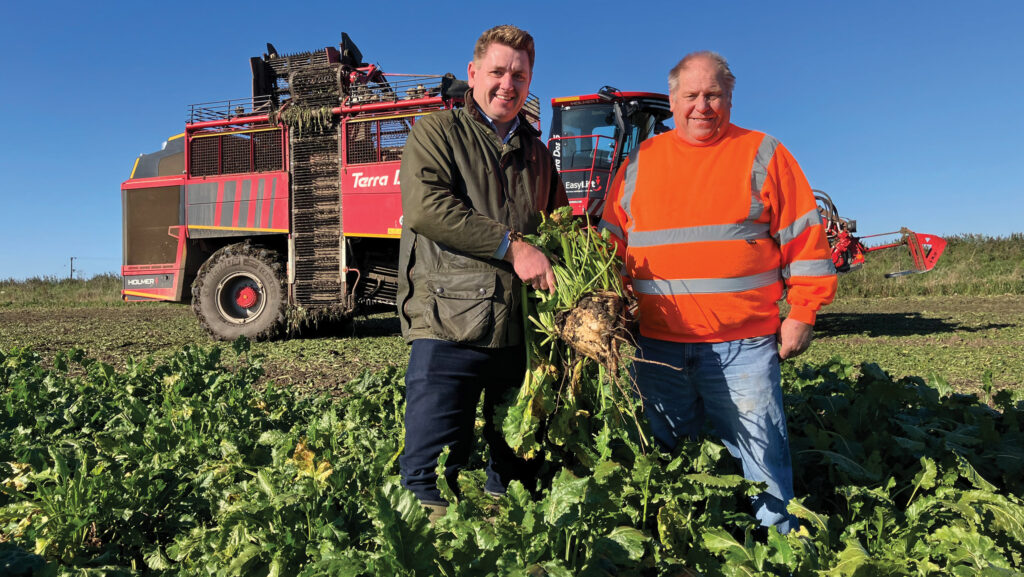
462 190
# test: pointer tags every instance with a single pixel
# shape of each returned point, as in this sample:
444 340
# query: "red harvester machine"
282 208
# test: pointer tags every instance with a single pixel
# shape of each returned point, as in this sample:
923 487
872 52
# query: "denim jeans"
735 386
443 385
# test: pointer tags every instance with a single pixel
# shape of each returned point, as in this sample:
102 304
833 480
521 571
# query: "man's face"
700 105
500 81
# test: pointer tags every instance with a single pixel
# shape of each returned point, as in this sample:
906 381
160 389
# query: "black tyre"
240 291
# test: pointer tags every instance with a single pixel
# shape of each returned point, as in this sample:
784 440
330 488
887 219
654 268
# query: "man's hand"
794 337
531 266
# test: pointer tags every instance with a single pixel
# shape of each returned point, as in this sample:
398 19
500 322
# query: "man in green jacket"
473 181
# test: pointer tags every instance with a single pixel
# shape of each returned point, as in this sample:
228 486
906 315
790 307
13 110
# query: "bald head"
717 61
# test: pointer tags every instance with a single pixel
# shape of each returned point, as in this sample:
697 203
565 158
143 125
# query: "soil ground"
971 342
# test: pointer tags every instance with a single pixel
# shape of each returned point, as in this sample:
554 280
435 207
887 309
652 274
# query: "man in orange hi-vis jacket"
715 223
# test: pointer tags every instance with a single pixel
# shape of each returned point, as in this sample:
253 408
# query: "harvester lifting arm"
848 251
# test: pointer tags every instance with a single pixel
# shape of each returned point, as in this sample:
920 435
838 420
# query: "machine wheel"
240 291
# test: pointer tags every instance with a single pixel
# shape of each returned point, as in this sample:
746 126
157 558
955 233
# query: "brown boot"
435 511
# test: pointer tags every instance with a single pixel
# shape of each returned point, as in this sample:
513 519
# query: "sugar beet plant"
573 385
188 468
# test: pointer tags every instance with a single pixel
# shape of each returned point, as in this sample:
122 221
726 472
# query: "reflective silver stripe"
202 200
819 267
202 192
605 225
227 206
258 219
708 233
706 285
629 187
759 173
273 201
243 204
798 226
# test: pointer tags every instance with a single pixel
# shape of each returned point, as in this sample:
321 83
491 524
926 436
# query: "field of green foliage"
132 445
186 467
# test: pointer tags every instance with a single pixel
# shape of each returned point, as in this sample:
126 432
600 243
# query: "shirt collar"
511 130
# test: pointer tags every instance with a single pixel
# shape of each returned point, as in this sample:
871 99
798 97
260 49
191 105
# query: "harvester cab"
590 136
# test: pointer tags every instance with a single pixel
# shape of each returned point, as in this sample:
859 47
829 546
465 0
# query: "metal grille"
204 156
393 134
377 141
316 190
315 86
360 145
267 154
282 65
316 220
235 153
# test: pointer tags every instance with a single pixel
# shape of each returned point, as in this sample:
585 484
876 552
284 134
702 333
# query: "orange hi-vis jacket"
711 235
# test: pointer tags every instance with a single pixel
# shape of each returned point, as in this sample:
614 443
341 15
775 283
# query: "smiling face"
500 80
700 103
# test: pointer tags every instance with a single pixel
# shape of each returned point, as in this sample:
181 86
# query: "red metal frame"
925 249
153 182
589 202
426 102
191 129
259 119
596 98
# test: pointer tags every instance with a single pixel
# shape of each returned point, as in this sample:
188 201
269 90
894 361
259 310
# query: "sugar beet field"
130 444
974 343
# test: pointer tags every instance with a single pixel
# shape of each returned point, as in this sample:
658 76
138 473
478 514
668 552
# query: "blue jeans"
736 386
443 385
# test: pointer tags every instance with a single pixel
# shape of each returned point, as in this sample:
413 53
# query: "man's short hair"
721 65
507 34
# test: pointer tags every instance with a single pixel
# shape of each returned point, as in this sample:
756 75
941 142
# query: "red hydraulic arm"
848 251
925 249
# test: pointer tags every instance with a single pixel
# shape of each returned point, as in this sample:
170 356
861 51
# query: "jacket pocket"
459 306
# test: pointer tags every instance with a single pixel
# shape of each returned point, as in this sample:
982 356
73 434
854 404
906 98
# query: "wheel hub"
240 298
246 297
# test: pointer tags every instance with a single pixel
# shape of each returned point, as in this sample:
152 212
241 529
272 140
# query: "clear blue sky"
907 113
